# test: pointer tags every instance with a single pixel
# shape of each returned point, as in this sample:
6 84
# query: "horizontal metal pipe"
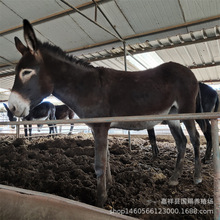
188 116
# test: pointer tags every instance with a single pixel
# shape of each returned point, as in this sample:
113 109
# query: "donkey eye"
26 72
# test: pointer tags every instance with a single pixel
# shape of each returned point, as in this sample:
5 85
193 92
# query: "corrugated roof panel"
91 30
215 49
195 54
197 75
7 82
171 55
7 46
207 74
8 16
203 53
217 72
164 55
116 63
194 10
72 2
32 9
185 55
62 33
108 64
149 60
117 18
151 14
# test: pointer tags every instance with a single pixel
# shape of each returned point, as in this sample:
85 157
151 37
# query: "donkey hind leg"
194 138
55 128
71 128
153 143
51 128
100 133
25 131
181 141
30 130
208 137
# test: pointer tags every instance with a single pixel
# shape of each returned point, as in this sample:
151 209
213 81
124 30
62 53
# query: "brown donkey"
92 92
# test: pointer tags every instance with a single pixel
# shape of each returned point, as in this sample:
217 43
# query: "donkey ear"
10 115
6 107
30 37
20 46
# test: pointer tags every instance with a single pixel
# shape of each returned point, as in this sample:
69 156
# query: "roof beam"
50 17
160 30
152 48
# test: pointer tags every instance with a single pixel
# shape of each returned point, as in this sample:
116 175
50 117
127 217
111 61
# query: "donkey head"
31 84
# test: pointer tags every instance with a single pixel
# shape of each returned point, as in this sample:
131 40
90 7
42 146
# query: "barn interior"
125 35
149 33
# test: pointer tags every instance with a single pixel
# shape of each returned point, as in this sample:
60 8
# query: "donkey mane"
59 52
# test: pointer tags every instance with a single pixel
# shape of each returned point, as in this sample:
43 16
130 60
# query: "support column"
216 161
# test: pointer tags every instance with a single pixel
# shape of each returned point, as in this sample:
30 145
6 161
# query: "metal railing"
215 138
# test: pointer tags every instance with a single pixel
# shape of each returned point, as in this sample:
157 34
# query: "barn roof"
155 31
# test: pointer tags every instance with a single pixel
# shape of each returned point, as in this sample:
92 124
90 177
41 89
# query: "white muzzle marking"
19 106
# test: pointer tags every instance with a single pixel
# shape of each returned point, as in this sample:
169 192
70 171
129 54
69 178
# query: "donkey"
91 92
210 103
43 111
62 112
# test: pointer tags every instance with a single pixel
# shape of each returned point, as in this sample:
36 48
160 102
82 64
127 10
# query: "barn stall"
195 48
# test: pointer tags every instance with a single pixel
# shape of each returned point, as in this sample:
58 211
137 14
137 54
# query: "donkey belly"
43 118
141 125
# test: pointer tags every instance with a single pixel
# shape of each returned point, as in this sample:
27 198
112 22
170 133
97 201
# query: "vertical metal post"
216 161
125 63
18 130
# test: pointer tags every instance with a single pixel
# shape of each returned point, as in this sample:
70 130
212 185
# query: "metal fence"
215 137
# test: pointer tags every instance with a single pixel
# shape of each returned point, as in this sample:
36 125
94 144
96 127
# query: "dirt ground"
64 165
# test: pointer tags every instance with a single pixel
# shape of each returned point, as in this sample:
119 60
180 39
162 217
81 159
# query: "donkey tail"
199 109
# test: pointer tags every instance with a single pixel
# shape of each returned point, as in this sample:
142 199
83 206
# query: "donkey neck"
76 84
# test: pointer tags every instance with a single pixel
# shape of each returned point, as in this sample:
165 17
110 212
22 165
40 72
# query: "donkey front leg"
100 133
153 143
109 175
25 131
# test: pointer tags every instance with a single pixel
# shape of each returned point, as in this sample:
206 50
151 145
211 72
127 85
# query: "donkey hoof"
101 199
173 182
197 180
